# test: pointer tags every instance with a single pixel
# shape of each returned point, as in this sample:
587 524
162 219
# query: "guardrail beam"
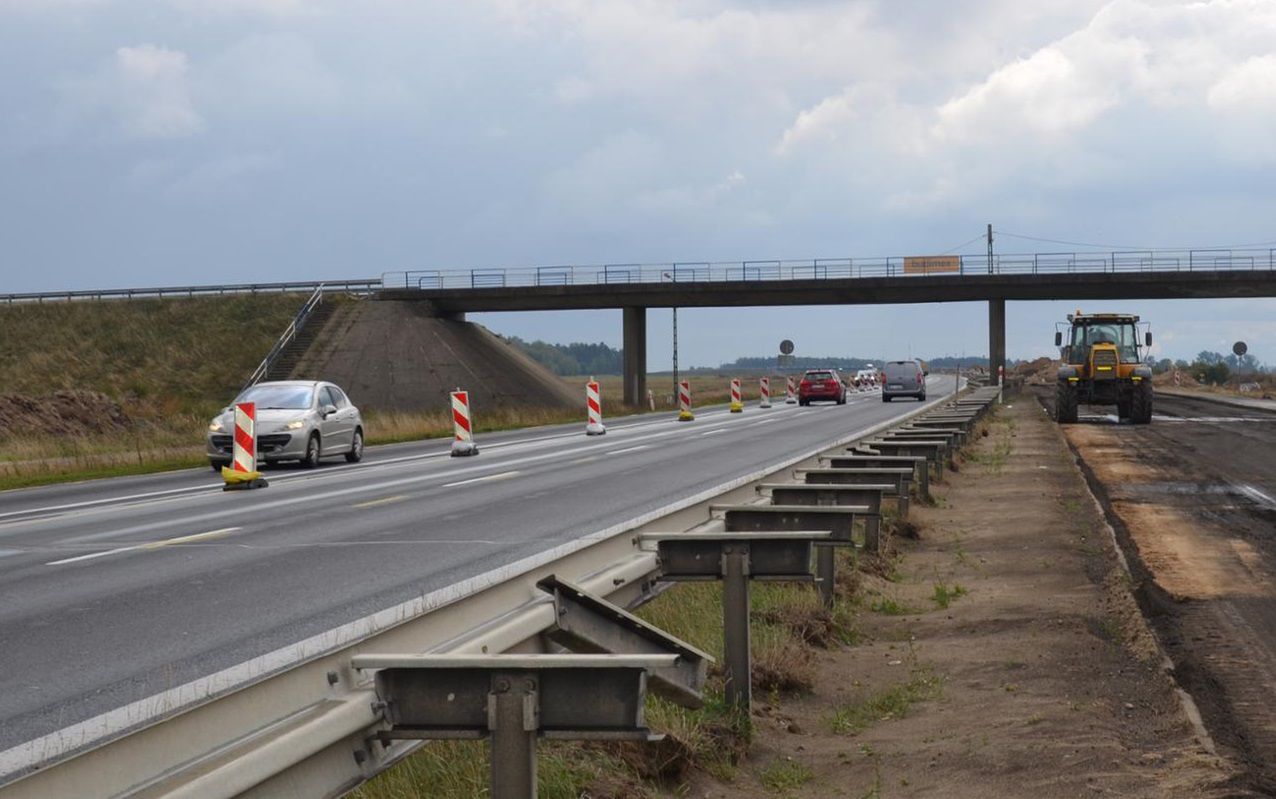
587 623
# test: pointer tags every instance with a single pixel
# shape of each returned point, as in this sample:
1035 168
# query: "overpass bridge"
633 288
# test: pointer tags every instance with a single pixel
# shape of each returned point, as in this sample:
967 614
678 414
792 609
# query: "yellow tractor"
1103 365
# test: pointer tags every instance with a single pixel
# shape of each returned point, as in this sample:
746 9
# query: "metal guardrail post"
738 687
513 721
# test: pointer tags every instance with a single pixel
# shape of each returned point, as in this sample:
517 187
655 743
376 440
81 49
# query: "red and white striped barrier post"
594 406
790 391
463 428
684 402
651 399
242 472
736 405
764 386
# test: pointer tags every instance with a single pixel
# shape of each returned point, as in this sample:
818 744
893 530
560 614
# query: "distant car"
821 384
297 420
903 379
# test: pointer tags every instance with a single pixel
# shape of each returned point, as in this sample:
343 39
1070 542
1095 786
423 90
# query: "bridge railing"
1041 263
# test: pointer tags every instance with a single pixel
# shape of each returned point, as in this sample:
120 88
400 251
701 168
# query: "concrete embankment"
392 355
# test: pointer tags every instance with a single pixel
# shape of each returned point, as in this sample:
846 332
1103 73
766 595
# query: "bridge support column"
635 346
996 339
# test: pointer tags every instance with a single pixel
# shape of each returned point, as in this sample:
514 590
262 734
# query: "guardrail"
1044 263
290 333
306 720
346 286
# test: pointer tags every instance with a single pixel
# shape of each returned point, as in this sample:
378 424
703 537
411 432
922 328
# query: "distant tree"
572 359
1208 358
1215 373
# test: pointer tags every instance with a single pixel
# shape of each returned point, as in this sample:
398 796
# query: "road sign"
1240 348
786 347
926 264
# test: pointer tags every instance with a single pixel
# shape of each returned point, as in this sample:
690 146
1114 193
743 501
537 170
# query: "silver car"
297 420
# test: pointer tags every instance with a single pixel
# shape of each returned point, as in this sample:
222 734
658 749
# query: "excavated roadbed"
1192 497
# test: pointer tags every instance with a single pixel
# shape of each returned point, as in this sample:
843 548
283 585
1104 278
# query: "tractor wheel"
1065 404
1141 404
1123 408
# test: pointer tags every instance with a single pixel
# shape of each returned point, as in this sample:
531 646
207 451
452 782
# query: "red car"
821 384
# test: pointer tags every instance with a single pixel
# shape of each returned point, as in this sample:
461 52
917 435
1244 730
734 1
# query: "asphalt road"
115 590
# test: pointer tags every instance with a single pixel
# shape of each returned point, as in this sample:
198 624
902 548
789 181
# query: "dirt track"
1033 675
1192 498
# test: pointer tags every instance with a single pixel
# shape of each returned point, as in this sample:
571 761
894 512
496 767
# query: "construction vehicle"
1103 365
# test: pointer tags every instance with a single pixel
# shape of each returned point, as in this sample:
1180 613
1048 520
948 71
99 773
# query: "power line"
1137 247
963 244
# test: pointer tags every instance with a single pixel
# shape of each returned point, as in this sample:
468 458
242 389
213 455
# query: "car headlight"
295 424
216 427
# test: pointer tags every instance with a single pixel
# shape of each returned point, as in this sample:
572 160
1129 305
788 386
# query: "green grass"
459 770
893 702
944 595
785 775
891 607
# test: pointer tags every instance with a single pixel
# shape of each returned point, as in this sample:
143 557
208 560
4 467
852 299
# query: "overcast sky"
204 141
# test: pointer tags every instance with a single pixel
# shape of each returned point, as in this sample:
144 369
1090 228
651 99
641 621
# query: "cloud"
143 92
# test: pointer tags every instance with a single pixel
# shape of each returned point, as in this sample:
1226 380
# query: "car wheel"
885 398
921 397
311 459
356 447
216 466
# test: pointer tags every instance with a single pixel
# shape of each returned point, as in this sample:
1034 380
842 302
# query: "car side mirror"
1058 338
1147 338
327 411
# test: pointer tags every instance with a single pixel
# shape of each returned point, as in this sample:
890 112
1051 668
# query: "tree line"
1212 367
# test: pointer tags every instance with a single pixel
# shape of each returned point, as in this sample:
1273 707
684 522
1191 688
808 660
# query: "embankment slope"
391 355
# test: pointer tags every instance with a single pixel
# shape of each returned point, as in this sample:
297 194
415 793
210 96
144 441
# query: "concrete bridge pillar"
635 347
996 338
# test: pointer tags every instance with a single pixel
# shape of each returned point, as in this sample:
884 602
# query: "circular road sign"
1239 348
786 347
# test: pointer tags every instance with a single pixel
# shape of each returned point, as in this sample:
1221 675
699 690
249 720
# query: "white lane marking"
1256 495
713 432
491 478
185 539
372 503
628 449
764 421
578 461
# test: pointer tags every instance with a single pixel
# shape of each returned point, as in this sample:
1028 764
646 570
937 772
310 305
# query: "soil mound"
1041 371
392 355
62 413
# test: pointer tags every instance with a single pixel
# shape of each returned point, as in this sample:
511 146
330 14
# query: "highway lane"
113 591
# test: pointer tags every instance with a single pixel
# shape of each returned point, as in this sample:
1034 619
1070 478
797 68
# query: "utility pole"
675 355
990 248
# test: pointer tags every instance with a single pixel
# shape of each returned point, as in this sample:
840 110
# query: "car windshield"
819 375
278 397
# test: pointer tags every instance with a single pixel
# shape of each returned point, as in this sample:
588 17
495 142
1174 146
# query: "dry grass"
158 357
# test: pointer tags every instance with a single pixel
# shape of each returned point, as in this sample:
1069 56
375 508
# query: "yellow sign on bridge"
926 264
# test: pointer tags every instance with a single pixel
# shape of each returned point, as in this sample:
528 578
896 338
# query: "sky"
211 141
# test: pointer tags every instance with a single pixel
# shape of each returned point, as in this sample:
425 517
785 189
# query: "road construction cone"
684 402
790 391
764 385
595 409
463 440
736 405
242 472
